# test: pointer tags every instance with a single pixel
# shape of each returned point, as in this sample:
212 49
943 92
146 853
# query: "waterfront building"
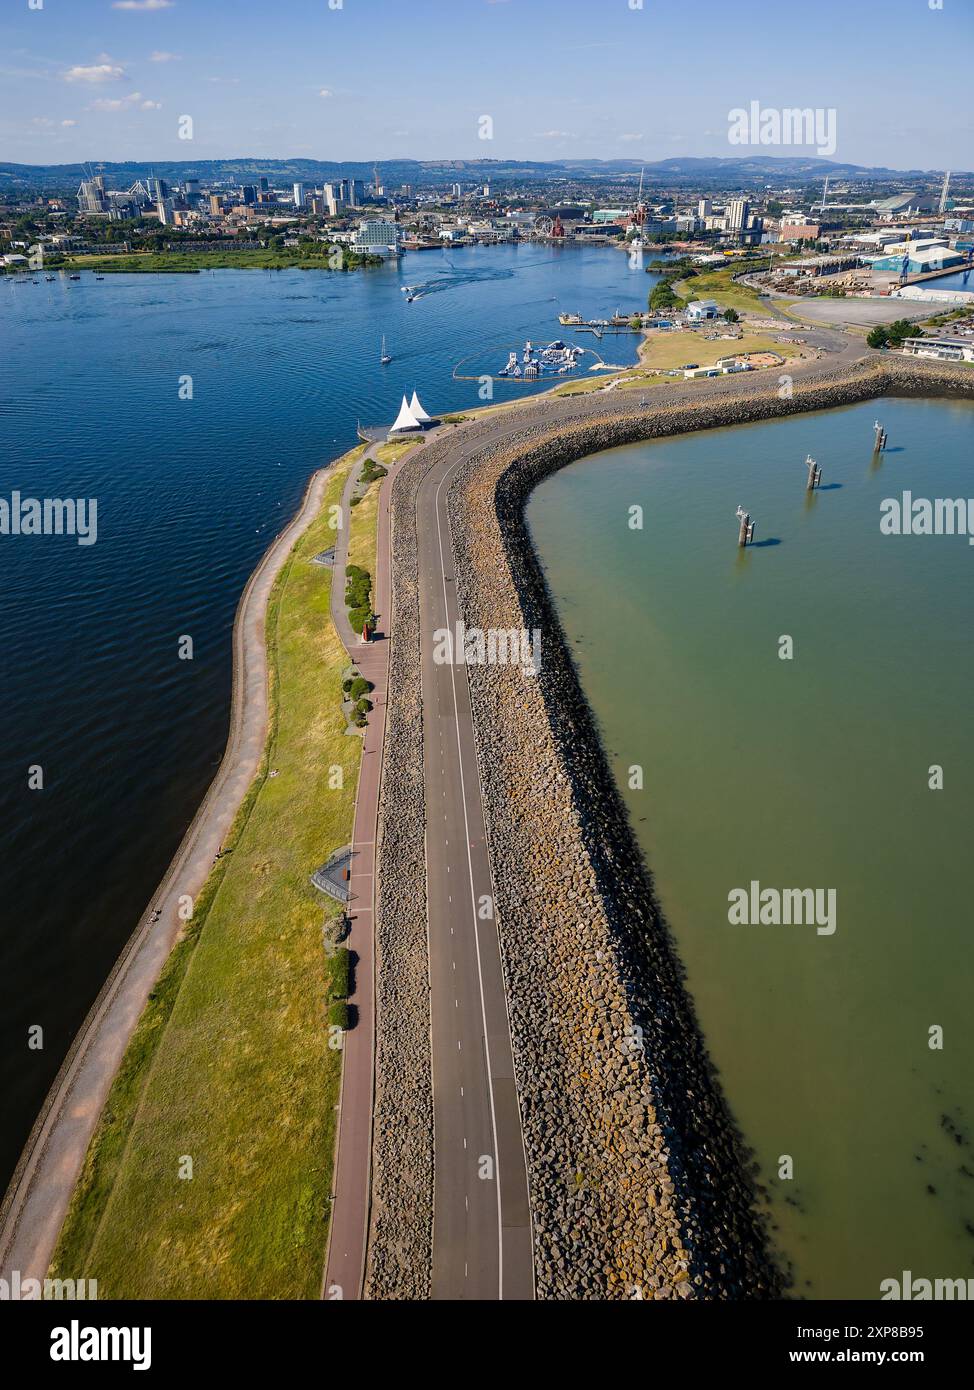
704 208
379 237
943 349
164 209
914 258
700 309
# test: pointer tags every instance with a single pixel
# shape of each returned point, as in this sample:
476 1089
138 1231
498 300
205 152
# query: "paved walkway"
41 1189
348 1234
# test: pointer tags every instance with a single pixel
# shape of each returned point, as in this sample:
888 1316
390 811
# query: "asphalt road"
482 1240
482 1245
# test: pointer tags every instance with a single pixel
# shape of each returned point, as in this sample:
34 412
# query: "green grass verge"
720 285
230 1062
187 262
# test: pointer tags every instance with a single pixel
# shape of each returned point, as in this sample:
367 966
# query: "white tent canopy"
417 411
406 420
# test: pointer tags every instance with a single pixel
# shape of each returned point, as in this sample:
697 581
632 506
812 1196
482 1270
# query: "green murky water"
804 773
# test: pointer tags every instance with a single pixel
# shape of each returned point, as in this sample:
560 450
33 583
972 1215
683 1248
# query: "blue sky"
367 79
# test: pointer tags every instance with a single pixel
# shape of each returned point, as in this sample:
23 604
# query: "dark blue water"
959 280
189 492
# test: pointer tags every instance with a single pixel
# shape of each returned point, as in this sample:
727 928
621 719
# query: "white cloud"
555 135
69 123
142 4
630 136
123 103
42 120
97 72
161 56
325 92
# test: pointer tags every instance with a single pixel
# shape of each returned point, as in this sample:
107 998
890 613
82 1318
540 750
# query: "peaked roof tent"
405 420
417 411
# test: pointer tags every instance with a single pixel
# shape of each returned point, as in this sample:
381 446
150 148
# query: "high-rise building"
191 190
248 193
705 207
736 214
91 196
456 190
164 208
262 183
378 236
216 204
335 198
298 195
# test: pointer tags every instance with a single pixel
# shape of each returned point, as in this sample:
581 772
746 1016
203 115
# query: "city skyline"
115 79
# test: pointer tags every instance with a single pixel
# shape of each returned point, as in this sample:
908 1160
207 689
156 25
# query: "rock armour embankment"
637 1176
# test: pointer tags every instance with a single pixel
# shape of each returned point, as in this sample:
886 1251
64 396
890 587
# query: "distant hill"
726 172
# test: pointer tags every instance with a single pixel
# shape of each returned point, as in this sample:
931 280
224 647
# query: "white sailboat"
383 355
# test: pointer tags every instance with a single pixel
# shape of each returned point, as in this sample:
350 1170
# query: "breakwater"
638 1179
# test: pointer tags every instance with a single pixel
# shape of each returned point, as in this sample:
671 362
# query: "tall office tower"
735 216
705 207
298 195
334 197
91 196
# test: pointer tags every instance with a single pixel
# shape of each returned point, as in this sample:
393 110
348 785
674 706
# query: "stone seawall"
401 1227
638 1179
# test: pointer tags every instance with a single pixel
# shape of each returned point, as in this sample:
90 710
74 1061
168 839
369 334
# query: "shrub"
338 973
359 617
338 1015
363 706
359 687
